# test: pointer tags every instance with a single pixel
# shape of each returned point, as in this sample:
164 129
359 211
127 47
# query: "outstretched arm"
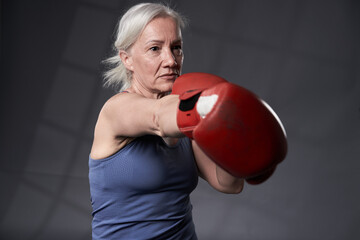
132 115
128 115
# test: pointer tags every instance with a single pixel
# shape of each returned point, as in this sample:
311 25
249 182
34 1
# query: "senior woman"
142 168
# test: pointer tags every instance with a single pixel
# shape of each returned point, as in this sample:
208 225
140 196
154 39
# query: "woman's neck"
139 89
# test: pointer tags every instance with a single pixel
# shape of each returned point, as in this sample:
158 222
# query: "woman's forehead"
160 29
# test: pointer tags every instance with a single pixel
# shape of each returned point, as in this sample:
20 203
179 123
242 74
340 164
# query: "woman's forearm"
230 183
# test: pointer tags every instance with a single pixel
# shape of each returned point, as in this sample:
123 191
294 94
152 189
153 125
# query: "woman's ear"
126 59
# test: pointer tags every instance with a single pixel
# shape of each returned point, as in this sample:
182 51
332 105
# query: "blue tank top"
142 191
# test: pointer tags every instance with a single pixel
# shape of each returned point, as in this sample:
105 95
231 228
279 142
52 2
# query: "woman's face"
155 59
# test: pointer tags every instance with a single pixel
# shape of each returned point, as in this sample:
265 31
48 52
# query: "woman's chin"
167 87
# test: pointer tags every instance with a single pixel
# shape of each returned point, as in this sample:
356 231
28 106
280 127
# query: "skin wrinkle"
151 60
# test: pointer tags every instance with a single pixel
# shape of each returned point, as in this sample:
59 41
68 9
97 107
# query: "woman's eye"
177 50
177 47
154 48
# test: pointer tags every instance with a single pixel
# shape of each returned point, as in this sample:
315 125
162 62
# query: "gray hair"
129 29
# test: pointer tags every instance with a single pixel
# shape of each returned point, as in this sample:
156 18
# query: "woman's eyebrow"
154 41
161 41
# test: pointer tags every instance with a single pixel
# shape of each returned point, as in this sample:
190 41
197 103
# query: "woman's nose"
169 59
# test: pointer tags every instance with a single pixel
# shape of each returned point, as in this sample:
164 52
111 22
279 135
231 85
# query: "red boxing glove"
187 86
230 124
261 178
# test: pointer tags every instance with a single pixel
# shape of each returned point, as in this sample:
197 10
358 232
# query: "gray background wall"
302 57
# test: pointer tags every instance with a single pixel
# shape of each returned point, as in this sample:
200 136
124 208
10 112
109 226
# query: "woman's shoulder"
120 99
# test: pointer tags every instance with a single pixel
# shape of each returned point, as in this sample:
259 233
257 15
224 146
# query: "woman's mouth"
169 76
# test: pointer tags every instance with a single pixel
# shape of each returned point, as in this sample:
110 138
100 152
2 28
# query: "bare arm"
132 115
217 177
125 116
